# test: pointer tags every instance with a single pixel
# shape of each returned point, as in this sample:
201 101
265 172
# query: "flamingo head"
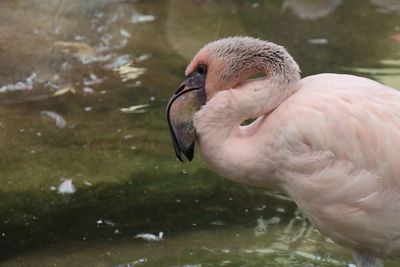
219 65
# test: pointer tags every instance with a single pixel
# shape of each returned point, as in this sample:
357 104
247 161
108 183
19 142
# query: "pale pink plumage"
330 141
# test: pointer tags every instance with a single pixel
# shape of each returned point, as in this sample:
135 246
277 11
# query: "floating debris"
85 53
20 86
217 223
87 109
140 18
128 72
318 41
88 90
135 109
75 46
117 231
113 19
123 60
150 237
99 14
121 44
107 222
64 90
80 38
125 33
261 251
79 49
60 121
87 183
143 57
133 263
128 136
66 187
66 66
93 80
123 65
93 59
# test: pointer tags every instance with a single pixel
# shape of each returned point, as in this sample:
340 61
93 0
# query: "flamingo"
329 141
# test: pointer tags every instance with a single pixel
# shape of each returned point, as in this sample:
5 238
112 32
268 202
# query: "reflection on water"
88 173
263 242
312 9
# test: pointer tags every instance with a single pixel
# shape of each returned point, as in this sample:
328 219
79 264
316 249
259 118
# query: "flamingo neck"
232 149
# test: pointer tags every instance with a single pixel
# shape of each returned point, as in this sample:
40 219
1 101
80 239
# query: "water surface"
87 163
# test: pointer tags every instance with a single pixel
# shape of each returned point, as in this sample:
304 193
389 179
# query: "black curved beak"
184 103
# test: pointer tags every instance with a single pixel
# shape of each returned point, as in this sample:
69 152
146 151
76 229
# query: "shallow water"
87 163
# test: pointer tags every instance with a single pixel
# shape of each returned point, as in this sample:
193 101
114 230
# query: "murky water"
88 173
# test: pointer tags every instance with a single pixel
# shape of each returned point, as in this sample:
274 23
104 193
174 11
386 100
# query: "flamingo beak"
184 103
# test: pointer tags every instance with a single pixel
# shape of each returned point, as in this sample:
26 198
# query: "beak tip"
189 153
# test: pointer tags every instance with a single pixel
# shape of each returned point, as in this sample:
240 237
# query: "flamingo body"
330 141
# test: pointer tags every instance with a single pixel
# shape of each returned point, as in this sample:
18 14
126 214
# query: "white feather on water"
20 86
60 121
150 237
66 187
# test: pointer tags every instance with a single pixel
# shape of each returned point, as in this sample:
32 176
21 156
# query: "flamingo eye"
202 69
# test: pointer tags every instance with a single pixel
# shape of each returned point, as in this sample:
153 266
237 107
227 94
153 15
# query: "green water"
81 62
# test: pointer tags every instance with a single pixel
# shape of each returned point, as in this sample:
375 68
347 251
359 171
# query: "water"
87 163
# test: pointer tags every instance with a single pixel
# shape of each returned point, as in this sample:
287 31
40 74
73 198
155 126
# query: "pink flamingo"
330 141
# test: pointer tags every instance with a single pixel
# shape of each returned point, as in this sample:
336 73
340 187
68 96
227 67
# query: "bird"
331 142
